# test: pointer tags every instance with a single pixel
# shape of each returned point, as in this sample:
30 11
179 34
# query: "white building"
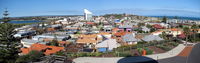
87 15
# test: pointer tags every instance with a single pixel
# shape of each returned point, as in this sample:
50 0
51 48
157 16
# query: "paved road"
171 53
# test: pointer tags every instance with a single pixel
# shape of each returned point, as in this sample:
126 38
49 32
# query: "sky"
19 8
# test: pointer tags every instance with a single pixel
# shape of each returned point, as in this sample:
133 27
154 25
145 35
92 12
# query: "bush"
148 51
31 56
163 47
123 54
60 53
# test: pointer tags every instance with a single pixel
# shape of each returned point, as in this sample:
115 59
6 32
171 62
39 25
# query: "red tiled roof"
182 35
25 50
157 26
53 49
85 40
90 23
40 47
174 29
121 33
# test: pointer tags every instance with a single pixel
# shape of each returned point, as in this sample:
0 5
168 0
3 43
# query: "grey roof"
30 41
130 38
110 44
151 38
144 28
126 25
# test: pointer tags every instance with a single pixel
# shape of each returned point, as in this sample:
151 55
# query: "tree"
8 44
54 42
140 24
164 19
164 35
186 32
194 28
148 26
5 18
30 57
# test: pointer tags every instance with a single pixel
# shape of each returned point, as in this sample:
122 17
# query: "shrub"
124 54
148 51
31 56
163 47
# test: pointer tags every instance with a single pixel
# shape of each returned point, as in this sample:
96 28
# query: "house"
63 43
114 30
174 32
152 38
22 34
157 32
195 30
182 36
104 34
127 27
145 29
107 28
29 42
50 37
71 29
158 26
51 29
88 40
47 50
130 38
120 34
107 45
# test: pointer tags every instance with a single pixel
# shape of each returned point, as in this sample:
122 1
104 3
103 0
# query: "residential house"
158 26
127 27
29 42
152 38
145 29
130 38
47 50
50 37
157 32
174 32
107 28
88 40
107 45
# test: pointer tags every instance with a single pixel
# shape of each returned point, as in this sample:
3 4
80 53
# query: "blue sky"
19 8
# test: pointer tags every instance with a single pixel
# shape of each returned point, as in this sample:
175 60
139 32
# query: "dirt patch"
156 50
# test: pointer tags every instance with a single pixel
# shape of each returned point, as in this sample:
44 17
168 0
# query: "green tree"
164 35
194 27
5 16
148 26
8 44
54 42
30 57
140 24
186 32
164 19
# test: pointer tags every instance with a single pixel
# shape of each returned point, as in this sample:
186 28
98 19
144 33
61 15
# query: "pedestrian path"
171 53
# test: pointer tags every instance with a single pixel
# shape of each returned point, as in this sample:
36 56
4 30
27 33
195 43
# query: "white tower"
87 15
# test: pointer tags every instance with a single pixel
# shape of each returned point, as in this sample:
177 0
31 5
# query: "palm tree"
186 32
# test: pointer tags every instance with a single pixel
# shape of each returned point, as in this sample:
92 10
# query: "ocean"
22 22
